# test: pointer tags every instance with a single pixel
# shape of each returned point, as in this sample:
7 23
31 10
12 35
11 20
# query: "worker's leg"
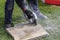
34 6
8 11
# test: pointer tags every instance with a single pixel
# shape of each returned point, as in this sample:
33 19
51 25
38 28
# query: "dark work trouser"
9 6
8 11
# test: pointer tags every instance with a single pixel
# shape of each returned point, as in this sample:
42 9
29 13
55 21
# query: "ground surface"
52 24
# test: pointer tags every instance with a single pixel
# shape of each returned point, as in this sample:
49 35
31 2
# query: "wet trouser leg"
33 4
8 11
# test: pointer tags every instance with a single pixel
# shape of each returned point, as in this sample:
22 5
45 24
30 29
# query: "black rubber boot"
8 25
